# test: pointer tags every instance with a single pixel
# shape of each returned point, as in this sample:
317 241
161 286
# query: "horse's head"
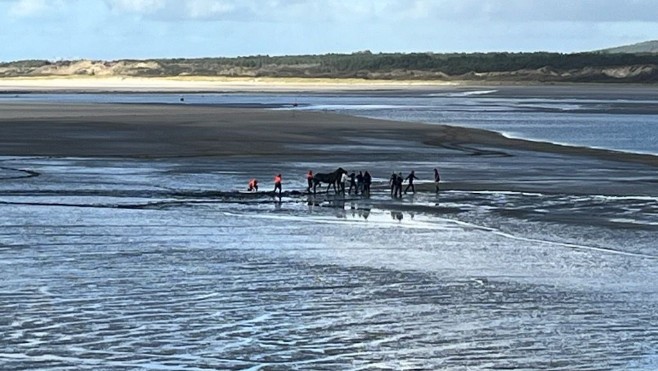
341 171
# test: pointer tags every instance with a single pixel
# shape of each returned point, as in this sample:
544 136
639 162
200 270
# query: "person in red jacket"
277 183
309 180
253 185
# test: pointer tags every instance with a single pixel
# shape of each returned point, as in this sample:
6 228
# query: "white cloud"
517 11
200 9
136 6
29 8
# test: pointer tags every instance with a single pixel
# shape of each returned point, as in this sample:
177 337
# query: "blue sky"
116 29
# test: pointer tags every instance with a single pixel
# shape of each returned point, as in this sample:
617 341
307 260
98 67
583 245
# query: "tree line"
381 65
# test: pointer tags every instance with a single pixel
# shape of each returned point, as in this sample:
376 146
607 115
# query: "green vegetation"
360 64
540 66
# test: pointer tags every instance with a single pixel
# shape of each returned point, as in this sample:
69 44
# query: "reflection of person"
253 185
277 183
309 180
410 178
437 179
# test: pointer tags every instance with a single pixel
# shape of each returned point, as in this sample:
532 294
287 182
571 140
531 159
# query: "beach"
129 241
204 84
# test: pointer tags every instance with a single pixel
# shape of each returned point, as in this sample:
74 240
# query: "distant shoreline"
199 84
206 84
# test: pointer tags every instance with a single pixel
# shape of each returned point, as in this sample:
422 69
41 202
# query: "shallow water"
132 264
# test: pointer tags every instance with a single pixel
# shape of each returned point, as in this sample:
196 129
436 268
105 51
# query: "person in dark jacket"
352 177
398 185
367 181
410 178
437 179
359 182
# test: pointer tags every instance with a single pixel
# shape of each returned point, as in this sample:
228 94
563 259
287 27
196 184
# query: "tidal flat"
128 241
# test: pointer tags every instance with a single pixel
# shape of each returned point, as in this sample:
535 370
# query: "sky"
142 29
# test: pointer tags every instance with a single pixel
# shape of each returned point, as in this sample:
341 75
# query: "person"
359 183
437 179
309 180
398 185
343 179
391 182
253 185
277 183
410 178
353 184
367 181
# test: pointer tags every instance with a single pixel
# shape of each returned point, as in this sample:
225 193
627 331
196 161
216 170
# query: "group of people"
359 183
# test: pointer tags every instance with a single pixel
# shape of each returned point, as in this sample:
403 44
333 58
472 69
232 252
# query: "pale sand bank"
205 84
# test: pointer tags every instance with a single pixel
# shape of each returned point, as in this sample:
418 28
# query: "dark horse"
329 178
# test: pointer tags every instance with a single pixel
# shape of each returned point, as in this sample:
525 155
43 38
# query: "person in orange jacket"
277 183
253 185
309 180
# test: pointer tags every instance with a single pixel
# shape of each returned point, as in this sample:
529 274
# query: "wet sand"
127 244
471 159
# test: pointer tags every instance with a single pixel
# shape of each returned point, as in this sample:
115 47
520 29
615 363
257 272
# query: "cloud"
520 11
300 11
174 10
344 11
30 8
136 6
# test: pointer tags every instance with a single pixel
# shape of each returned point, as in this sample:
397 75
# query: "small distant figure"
253 185
398 186
277 183
392 182
182 99
352 177
437 179
309 180
367 181
410 178
359 183
341 184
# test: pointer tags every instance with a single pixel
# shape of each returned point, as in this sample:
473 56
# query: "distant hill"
647 47
481 67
